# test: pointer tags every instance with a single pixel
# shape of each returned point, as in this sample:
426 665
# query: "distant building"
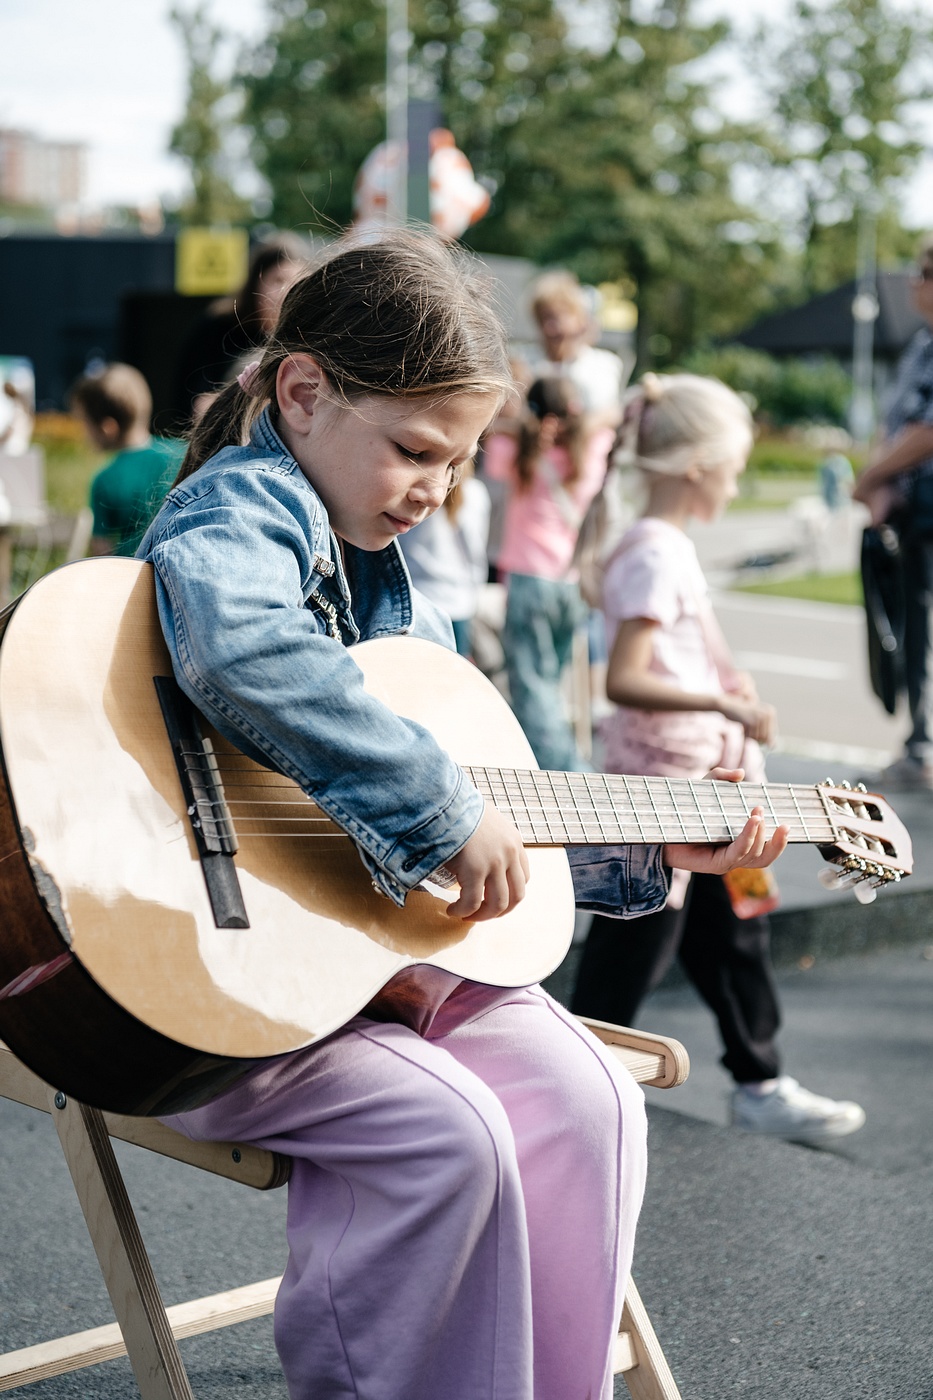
41 174
825 325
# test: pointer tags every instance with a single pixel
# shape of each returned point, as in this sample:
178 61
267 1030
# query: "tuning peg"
846 785
860 787
826 782
865 893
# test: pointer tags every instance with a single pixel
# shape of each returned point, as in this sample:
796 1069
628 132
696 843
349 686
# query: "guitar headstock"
872 848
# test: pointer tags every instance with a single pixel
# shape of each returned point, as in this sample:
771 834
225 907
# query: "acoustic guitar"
171 911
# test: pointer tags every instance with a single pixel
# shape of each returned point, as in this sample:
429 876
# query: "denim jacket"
259 610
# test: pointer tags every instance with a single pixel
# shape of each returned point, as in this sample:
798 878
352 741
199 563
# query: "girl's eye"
409 453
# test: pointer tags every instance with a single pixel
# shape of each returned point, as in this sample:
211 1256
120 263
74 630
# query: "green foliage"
843 78
70 464
606 156
783 456
817 588
200 137
784 391
604 148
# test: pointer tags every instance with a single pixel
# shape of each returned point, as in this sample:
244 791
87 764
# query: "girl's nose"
430 491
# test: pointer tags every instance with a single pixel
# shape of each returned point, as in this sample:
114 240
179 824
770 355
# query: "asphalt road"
808 659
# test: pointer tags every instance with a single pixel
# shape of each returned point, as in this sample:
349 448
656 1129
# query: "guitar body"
116 985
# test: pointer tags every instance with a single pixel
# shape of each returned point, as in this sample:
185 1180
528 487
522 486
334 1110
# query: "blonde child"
683 710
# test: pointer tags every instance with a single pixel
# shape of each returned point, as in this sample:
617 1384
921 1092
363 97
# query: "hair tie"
246 376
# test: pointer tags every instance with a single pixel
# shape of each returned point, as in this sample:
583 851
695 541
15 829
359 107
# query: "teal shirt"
127 493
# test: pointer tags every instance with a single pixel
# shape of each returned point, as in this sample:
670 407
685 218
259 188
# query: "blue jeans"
541 617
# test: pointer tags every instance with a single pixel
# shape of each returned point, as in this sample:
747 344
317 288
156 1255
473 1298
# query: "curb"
803 936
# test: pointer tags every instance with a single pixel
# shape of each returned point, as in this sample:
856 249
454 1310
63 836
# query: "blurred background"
740 192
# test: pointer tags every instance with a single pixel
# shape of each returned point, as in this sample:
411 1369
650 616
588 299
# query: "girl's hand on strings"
491 870
751 849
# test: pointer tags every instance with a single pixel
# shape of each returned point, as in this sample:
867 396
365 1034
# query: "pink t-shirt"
654 573
540 529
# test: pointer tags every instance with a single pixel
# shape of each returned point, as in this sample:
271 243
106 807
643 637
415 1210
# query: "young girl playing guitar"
468 1162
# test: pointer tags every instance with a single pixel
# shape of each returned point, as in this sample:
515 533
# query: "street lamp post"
397 42
864 315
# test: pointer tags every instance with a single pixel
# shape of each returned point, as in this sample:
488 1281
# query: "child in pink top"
683 709
554 470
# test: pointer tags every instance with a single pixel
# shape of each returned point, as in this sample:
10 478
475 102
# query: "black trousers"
727 959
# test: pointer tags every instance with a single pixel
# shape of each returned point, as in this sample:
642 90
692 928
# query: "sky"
117 82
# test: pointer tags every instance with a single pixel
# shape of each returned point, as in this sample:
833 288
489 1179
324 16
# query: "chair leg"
648 1377
134 1293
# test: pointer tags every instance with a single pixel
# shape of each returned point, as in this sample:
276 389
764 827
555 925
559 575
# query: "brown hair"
403 317
278 248
117 391
560 398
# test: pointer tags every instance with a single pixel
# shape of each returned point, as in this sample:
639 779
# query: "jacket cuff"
421 852
621 881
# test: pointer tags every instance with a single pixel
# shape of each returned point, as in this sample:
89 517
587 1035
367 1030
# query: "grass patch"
816 588
70 461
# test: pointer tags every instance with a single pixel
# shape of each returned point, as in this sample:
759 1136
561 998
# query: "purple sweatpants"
462 1204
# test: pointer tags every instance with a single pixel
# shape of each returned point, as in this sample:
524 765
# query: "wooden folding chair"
147 1332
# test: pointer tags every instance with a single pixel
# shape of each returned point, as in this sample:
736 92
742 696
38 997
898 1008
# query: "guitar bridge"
207 806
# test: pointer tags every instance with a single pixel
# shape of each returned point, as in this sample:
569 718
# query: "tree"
603 149
201 137
842 77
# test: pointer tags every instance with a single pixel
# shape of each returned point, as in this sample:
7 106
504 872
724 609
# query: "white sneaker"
792 1112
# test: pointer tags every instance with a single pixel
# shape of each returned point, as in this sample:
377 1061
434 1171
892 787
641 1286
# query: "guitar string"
590 815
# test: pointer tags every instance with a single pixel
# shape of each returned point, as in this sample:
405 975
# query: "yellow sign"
210 262
617 312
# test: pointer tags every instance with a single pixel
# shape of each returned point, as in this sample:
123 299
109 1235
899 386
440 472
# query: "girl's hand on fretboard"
750 849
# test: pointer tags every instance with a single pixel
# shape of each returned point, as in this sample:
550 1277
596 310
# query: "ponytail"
674 422
227 421
546 397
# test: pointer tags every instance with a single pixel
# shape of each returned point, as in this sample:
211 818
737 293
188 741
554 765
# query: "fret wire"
692 787
722 809
628 792
802 818
574 807
649 790
618 825
770 804
549 777
677 812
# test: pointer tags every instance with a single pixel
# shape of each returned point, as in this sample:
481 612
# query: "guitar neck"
583 809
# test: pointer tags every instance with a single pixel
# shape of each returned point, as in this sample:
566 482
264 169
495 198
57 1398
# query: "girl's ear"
299 384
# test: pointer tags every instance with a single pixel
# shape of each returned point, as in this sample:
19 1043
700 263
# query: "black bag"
883 587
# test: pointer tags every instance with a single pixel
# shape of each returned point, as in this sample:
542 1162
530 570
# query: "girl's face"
714 488
382 465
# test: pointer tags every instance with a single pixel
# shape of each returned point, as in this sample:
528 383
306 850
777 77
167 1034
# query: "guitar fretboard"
581 809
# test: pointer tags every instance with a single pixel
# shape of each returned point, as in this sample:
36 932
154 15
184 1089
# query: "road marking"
799 608
809 666
851 755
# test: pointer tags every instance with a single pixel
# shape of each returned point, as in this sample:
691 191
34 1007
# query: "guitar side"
150 1005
